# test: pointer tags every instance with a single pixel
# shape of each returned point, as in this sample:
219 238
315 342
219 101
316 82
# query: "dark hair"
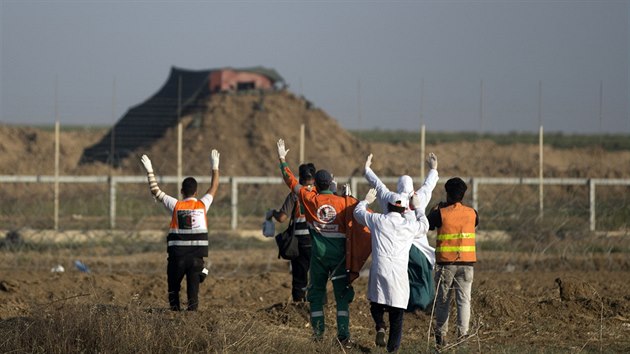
307 171
396 208
323 179
189 186
322 186
455 189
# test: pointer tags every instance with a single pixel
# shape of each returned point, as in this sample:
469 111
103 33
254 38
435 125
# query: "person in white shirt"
187 241
392 237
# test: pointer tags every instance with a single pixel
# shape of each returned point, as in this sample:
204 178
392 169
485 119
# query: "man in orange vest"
455 255
187 241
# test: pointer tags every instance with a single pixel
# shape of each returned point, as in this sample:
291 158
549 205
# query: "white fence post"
112 202
353 186
234 202
591 189
475 187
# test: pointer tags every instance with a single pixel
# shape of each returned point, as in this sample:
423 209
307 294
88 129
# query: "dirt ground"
522 302
518 303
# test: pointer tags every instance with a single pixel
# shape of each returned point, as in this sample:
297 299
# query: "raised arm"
425 191
287 175
361 214
214 183
153 185
381 189
423 226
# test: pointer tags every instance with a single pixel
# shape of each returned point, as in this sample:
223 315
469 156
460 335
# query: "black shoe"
346 343
440 342
203 274
380 338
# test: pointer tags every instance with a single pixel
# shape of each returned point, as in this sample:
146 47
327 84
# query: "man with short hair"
300 264
326 218
187 241
455 254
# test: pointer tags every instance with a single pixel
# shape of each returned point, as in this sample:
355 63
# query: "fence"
237 210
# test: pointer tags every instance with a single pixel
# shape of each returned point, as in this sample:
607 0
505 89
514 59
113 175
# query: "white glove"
368 162
415 201
282 152
214 159
370 197
432 161
346 190
146 162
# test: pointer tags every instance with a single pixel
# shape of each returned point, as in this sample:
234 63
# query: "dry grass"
64 327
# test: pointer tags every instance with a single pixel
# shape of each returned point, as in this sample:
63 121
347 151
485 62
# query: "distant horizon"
427 130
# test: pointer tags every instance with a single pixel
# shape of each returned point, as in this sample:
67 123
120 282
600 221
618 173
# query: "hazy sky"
330 51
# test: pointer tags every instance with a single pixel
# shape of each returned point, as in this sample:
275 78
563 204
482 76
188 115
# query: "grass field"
608 142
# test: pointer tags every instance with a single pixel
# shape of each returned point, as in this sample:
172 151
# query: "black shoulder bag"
286 240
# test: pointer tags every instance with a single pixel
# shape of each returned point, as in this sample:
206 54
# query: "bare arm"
279 216
214 184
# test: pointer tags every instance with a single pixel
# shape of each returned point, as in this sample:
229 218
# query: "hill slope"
245 128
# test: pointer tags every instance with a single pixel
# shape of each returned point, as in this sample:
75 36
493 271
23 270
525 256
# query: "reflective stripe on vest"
301 227
188 243
456 236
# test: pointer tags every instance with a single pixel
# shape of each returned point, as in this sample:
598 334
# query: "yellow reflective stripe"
443 237
455 249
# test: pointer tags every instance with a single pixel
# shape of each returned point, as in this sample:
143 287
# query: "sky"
485 66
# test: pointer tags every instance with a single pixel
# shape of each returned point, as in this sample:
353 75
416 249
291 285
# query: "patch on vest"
326 213
190 219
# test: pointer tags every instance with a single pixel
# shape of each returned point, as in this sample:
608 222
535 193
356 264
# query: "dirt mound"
245 128
26 150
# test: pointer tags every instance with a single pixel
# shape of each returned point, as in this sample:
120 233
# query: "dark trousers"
395 323
299 268
177 268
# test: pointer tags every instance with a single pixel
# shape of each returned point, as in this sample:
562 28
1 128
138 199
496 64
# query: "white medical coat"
405 187
392 237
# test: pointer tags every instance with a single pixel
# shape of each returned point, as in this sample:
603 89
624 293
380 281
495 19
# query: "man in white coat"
420 270
388 284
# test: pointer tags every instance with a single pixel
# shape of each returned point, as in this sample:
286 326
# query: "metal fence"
249 197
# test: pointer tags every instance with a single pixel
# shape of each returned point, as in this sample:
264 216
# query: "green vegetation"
69 127
608 142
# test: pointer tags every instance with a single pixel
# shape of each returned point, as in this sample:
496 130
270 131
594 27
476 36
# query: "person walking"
456 255
392 238
187 240
300 264
325 216
421 255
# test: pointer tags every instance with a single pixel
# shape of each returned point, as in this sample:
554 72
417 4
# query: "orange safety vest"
456 236
299 218
188 232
